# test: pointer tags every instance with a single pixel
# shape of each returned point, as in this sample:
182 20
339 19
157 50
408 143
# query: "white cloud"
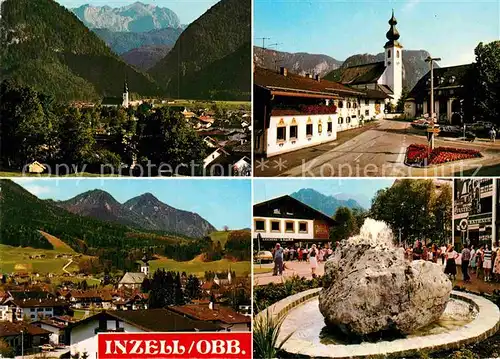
410 4
38 190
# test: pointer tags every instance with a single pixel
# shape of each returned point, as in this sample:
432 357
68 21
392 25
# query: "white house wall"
275 147
282 233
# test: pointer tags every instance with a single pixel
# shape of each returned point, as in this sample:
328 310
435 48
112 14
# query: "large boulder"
371 288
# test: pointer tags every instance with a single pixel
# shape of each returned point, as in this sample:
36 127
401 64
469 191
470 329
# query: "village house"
23 336
293 112
290 222
450 94
226 317
132 280
57 327
83 334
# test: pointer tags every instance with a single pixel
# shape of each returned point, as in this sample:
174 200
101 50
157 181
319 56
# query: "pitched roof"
220 313
35 303
153 320
295 83
286 202
376 94
133 278
9 329
452 76
362 74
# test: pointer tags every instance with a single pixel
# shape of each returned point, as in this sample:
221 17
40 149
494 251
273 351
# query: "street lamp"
22 344
431 60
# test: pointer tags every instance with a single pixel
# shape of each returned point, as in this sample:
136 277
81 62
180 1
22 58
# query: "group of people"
313 255
484 262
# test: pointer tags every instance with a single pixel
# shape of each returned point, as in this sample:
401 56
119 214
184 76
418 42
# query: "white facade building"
290 133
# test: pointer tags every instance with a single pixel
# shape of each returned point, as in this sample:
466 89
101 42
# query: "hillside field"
198 268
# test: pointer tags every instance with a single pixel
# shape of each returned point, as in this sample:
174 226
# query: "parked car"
263 256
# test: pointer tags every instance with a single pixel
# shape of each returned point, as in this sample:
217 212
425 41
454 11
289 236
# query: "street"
379 152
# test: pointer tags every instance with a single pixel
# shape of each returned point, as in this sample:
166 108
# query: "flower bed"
422 156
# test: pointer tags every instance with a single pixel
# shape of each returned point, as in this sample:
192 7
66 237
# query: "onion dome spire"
393 34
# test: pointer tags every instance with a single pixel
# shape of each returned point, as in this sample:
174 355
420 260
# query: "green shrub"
265 336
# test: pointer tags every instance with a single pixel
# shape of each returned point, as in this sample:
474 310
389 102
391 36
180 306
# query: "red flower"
420 155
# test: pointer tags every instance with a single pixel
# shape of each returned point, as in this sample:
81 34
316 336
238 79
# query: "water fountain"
375 302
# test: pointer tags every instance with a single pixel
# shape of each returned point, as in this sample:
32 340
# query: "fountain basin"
303 319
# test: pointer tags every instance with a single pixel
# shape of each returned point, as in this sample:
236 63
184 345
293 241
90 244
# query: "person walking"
451 267
313 260
479 263
493 134
487 263
278 260
496 266
472 260
465 263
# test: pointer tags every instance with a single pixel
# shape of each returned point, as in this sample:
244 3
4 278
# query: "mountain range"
137 17
144 212
208 48
45 46
121 42
299 62
414 65
145 57
326 204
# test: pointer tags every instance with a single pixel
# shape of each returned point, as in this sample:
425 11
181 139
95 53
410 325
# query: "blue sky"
187 10
449 29
360 189
221 202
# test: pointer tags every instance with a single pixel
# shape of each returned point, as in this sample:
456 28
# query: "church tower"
145 265
393 76
125 95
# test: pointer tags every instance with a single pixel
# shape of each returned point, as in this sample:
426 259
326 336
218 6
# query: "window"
39 309
260 225
32 309
355 105
309 129
367 101
275 226
320 128
289 227
389 54
48 309
32 316
341 120
347 119
341 104
281 134
348 105
329 126
367 112
397 54
303 227
293 132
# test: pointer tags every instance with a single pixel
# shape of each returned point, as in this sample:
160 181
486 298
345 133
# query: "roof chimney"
283 71
317 78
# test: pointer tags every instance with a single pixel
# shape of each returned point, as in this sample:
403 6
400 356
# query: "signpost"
432 114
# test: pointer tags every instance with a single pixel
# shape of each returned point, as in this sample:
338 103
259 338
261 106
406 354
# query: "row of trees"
415 209
36 127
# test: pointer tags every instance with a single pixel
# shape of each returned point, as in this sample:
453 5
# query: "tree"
5 350
400 106
486 79
346 226
165 137
25 129
77 141
238 245
416 208
193 289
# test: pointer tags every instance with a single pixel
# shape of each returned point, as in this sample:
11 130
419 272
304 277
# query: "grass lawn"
17 259
82 313
198 267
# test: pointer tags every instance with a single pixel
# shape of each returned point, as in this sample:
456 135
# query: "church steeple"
393 34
